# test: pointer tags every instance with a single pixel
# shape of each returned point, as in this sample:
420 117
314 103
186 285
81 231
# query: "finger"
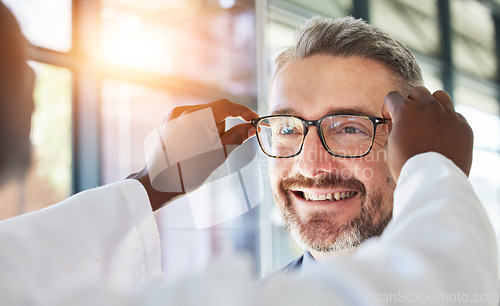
461 117
252 132
236 135
464 121
420 94
444 99
392 103
225 108
221 109
179 110
221 127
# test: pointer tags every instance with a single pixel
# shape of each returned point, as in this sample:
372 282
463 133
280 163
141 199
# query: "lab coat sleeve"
106 235
439 248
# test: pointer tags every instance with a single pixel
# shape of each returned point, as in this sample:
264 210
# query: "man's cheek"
364 173
377 155
372 166
279 169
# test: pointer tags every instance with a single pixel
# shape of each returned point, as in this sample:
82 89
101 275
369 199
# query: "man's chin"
323 237
342 243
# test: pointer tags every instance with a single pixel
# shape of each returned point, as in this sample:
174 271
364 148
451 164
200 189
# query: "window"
473 39
49 179
39 17
481 111
415 23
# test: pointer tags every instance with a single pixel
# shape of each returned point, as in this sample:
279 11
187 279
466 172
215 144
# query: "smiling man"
330 177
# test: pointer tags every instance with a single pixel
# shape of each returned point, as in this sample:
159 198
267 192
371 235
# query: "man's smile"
334 196
321 196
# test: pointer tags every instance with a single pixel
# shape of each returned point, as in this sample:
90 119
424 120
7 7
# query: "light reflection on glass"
196 41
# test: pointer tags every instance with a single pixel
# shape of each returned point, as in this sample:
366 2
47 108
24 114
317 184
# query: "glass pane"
473 38
46 23
486 129
280 35
414 23
194 40
326 8
283 20
486 163
486 183
431 75
476 95
49 179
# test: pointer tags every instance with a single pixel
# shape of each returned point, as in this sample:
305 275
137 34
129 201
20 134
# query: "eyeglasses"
350 136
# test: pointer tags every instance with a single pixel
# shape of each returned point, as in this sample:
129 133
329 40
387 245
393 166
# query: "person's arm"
186 131
106 235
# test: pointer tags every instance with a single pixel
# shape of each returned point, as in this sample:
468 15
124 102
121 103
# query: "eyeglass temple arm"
382 120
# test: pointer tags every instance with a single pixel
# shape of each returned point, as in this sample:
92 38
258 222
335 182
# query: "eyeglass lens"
343 135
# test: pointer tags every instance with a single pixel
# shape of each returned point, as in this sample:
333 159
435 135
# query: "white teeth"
329 196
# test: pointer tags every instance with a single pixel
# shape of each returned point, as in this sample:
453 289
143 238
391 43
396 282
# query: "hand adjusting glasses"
282 136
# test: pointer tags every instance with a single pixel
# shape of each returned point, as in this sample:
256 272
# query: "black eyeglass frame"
317 123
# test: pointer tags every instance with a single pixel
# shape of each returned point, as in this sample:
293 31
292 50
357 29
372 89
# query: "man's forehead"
322 85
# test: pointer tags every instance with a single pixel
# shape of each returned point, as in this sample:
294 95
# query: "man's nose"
314 160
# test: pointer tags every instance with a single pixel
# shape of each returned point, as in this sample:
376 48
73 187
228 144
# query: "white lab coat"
440 242
107 234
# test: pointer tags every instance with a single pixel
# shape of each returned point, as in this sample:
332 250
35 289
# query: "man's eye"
287 131
350 130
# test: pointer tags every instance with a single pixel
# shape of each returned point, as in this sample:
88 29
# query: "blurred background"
108 71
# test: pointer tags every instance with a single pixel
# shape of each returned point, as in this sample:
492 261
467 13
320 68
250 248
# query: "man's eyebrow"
331 111
284 111
350 111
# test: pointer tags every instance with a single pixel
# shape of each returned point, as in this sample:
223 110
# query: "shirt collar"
308 261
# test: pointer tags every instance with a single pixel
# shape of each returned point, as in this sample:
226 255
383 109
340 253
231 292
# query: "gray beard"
317 234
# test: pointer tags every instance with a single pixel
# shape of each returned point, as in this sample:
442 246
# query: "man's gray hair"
347 37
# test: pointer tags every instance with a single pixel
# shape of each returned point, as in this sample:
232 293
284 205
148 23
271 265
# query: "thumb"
236 135
391 102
